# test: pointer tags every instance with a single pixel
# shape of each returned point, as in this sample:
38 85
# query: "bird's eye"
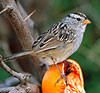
78 19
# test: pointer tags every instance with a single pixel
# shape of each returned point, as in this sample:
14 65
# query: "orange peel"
53 84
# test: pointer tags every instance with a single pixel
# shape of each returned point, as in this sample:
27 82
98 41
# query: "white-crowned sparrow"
60 41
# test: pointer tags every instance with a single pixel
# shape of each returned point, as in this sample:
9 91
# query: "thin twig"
21 88
22 77
29 15
3 10
6 89
31 24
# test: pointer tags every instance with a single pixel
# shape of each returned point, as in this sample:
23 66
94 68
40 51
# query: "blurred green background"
88 55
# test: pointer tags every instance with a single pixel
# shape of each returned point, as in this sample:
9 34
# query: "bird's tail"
16 55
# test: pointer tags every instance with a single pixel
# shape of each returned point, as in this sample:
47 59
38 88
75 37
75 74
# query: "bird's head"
77 21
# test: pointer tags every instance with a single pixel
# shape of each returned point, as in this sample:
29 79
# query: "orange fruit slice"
53 83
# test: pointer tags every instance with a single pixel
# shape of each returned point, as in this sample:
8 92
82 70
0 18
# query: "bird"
60 41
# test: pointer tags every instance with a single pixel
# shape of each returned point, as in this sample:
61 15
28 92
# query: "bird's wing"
55 37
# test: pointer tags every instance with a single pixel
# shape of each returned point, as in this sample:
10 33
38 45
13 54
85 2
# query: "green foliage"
3 75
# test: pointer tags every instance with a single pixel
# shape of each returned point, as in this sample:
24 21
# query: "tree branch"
22 77
28 88
21 28
30 22
6 89
19 25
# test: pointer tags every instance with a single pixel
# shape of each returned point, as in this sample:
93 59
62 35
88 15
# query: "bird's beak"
86 21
